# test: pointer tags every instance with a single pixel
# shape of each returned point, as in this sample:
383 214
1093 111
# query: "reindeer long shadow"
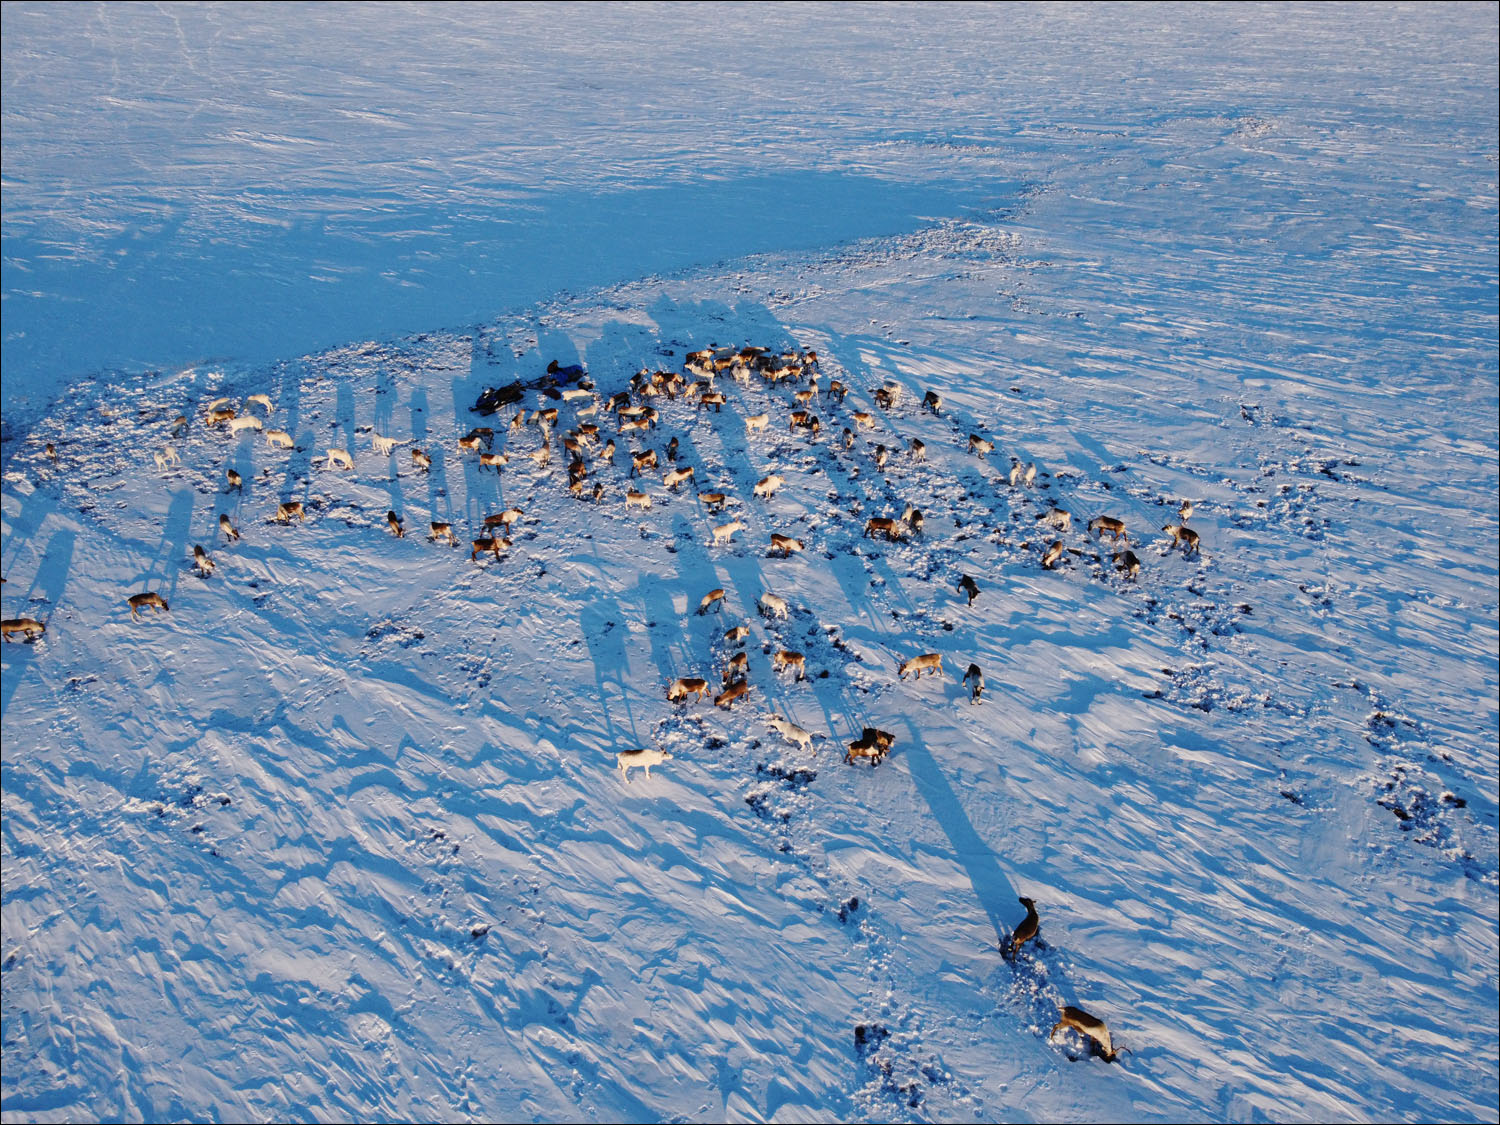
995 892
603 627
344 416
170 561
47 586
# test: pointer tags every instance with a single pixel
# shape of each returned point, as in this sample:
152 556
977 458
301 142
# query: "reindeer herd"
590 456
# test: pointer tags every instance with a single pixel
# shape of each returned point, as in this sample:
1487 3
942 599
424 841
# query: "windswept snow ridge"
341 832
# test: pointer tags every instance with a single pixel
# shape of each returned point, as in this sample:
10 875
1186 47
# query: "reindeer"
792 732
980 446
421 461
231 533
201 562
891 529
933 401
968 586
179 424
233 482
713 501
974 678
640 462
773 606
848 439
394 521
1126 562
1185 511
678 476
929 662
727 697
470 444
912 518
918 449
737 635
885 397
29 627
147 600
278 439
837 390
493 460
441 530
873 744
1058 519
1053 553
864 420
766 487
222 414
1028 477
882 455
1115 527
724 533
644 759
339 458
262 400
786 545
736 668
248 422
487 543
712 598
757 422
1025 930
504 519
715 399
165 456
794 660
1015 472
679 690
1184 537
1090 1027
285 511
634 499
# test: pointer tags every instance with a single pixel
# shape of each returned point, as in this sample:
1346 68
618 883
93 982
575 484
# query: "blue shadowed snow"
164 295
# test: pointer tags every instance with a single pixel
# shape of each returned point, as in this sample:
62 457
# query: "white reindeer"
792 733
724 533
773 606
644 759
767 486
248 422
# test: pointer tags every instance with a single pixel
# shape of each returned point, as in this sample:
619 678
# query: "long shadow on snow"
162 573
603 626
51 579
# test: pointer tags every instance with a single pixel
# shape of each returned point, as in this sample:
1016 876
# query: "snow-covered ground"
341 834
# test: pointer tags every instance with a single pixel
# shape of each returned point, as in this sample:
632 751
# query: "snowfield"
341 833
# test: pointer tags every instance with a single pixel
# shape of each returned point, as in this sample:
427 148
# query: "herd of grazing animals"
634 415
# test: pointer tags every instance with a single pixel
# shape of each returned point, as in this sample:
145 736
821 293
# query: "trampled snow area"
341 833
